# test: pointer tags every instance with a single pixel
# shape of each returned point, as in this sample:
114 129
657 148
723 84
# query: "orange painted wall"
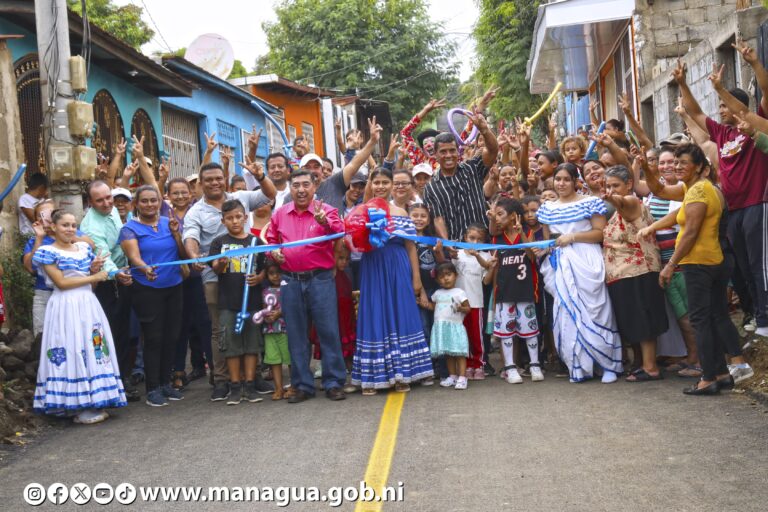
298 109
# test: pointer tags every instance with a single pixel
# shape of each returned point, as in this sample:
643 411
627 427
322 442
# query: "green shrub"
18 285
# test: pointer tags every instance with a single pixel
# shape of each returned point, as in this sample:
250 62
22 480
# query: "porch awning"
571 39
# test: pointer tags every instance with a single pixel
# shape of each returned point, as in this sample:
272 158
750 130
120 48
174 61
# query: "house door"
181 141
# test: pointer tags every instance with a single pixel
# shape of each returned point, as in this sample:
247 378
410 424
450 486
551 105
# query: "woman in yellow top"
700 256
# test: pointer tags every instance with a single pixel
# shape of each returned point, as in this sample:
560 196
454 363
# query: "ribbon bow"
377 224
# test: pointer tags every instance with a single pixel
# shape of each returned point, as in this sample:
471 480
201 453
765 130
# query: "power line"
159 32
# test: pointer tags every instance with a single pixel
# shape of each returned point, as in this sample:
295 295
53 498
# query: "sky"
178 22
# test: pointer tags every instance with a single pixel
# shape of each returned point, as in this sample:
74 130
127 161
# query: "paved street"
547 446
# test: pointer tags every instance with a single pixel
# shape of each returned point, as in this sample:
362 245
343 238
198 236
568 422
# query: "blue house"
124 86
216 106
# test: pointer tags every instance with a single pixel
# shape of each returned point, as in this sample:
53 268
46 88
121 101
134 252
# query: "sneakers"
251 393
461 383
156 398
609 377
513 377
262 387
470 374
220 392
171 393
741 372
536 373
350 388
235 394
448 382
475 374
429 381
319 371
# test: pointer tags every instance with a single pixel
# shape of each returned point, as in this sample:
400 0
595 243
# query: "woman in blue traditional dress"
585 329
78 371
391 348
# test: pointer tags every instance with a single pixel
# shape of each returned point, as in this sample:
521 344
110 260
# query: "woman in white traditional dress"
78 372
574 274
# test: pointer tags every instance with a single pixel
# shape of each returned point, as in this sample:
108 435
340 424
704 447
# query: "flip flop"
676 367
641 375
693 371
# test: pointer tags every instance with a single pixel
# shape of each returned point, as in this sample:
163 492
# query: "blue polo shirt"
155 247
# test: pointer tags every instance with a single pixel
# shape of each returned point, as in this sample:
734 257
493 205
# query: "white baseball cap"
309 157
119 191
422 169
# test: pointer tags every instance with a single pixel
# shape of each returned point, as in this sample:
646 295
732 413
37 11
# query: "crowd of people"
641 246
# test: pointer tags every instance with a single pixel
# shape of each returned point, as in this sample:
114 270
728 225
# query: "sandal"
402 387
278 395
693 371
369 392
676 367
640 375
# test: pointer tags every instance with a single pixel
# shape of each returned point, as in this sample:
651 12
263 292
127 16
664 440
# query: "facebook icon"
58 493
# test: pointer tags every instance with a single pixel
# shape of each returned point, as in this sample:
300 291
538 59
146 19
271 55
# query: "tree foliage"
504 34
124 22
238 70
386 50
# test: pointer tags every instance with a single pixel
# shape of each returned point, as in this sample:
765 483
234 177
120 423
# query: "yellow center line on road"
380 460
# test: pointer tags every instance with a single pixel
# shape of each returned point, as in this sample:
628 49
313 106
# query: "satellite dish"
213 53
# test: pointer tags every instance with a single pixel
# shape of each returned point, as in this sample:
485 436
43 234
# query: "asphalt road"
547 446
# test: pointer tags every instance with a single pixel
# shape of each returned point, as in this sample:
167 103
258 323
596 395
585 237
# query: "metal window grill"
109 125
27 73
181 140
141 126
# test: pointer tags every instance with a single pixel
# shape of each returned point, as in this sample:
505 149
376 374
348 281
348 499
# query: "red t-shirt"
743 167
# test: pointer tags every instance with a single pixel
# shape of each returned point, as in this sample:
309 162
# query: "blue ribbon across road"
378 235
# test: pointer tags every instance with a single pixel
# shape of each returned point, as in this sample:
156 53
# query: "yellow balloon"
529 120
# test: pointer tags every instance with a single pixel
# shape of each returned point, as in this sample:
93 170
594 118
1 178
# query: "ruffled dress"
391 346
78 362
584 326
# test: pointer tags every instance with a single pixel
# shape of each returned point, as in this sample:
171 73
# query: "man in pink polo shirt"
309 289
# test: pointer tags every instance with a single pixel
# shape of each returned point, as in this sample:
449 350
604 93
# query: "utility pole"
56 90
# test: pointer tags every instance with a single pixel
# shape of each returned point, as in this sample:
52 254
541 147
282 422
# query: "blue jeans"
313 299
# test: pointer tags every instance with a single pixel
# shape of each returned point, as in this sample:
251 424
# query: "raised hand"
394 145
138 148
174 225
517 226
747 53
478 120
624 103
375 130
678 72
119 148
487 97
39 229
320 213
254 168
210 142
552 122
716 77
680 109
253 137
434 104
744 125
603 139
164 170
